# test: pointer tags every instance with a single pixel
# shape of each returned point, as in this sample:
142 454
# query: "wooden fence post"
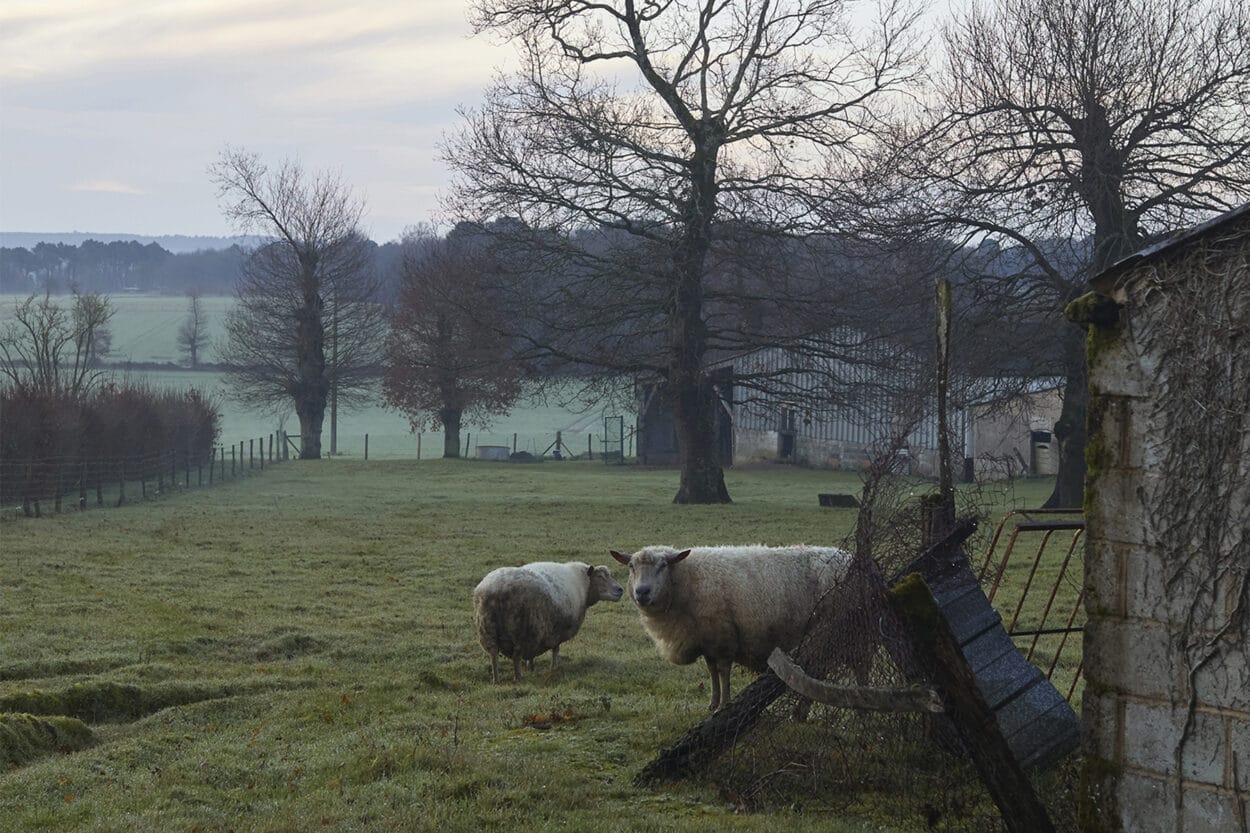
121 482
223 463
590 452
366 447
232 470
251 452
418 445
262 453
99 484
514 442
212 463
82 487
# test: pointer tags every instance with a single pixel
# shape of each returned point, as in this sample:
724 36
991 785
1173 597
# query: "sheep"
523 611
729 604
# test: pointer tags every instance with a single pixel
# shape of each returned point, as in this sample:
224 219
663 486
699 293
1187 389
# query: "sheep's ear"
675 557
620 556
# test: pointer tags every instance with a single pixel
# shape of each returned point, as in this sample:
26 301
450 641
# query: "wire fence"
610 446
60 484
53 485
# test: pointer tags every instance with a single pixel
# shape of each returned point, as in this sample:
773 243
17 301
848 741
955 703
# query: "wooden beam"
915 699
938 655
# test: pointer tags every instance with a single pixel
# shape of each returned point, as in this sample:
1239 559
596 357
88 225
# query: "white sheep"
729 604
523 611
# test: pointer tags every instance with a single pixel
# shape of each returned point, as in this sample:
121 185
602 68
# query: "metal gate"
1038 574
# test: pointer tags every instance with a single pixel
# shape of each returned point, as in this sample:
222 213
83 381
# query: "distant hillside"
175 243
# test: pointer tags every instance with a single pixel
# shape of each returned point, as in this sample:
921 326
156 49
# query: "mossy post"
939 658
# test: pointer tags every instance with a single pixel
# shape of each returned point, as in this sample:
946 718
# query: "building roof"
1172 242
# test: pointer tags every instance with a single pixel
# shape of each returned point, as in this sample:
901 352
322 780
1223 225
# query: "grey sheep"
521 612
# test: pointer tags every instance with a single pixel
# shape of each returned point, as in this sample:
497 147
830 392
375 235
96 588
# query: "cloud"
105 186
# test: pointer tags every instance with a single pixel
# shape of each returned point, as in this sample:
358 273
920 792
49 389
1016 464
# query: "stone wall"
1166 710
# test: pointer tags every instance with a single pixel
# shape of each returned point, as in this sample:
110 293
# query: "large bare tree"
307 325
1070 133
449 360
647 143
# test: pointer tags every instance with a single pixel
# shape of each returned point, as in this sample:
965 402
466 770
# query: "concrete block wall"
1140 776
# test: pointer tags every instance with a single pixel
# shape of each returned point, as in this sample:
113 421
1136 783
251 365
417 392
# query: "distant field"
144 330
300 654
145 327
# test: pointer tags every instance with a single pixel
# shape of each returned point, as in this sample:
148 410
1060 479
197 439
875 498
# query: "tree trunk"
691 392
450 418
311 413
694 416
312 386
1116 235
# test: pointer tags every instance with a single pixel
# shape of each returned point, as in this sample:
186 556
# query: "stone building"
1166 709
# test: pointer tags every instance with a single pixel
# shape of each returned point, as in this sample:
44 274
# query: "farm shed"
838 412
1166 709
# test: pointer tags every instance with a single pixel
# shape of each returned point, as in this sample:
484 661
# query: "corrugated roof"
1173 241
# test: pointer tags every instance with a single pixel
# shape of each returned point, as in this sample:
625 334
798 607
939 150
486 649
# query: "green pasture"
295 651
145 329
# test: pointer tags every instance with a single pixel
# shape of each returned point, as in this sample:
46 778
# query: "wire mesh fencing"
37 486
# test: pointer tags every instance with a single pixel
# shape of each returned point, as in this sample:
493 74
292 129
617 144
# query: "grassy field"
300 655
145 329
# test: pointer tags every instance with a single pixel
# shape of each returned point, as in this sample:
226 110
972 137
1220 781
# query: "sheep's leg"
494 666
555 658
725 668
713 670
516 669
529 664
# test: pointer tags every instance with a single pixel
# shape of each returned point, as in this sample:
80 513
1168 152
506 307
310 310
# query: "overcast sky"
110 110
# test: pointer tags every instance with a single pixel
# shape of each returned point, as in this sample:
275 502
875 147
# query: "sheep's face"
603 588
650 585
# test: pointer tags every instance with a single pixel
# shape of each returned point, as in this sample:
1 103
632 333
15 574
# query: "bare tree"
309 291
48 349
669 125
1071 132
448 361
193 332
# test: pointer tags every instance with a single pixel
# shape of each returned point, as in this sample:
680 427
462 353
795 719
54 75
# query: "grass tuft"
24 737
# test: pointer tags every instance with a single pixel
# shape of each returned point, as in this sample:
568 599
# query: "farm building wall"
1166 710
1012 437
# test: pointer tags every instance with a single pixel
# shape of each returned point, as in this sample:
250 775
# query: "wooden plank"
942 662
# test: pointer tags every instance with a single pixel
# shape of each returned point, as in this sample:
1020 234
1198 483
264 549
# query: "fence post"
468 438
251 452
212 463
262 454
82 487
514 442
232 470
418 445
590 452
121 482
366 447
223 463
99 484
